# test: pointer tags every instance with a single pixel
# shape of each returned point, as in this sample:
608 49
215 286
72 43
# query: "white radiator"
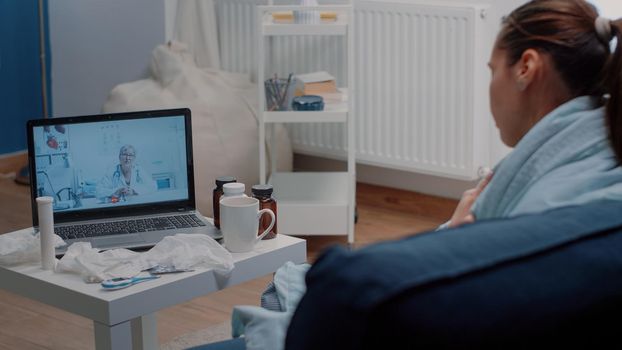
420 100
236 34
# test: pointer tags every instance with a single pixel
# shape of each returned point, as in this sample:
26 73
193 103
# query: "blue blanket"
266 329
565 159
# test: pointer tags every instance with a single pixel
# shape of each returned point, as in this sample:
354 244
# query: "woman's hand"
463 215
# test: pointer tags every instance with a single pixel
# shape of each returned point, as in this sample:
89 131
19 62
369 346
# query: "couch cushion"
494 283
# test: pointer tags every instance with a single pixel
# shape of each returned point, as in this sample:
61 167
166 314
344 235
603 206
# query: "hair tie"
603 28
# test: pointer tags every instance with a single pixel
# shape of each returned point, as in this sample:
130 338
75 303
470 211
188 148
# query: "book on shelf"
316 83
328 16
283 17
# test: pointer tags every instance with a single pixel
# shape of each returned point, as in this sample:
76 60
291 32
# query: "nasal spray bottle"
46 231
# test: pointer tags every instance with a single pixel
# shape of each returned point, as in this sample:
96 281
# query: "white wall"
609 8
96 45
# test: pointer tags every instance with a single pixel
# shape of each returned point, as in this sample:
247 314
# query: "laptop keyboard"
128 226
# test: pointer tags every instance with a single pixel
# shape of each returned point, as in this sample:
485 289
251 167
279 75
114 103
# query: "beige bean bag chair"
224 118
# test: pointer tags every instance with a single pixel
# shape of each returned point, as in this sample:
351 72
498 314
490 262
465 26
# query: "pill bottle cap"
233 188
262 190
221 180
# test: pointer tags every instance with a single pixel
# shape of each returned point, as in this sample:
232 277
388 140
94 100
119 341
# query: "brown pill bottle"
264 194
218 192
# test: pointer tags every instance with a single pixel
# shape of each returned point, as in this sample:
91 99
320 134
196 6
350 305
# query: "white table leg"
114 337
145 332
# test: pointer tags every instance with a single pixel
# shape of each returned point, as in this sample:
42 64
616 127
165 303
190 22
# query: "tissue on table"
181 250
95 266
190 250
22 247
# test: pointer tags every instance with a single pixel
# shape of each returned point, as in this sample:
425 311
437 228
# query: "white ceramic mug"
239 223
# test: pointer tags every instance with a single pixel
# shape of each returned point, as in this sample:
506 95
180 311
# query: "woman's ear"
526 68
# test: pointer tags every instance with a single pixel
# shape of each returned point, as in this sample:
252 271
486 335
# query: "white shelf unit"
310 203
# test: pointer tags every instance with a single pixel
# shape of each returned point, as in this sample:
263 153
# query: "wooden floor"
24 324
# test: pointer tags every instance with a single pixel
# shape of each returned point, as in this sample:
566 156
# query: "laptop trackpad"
102 242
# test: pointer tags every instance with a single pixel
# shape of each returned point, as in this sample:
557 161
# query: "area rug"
218 332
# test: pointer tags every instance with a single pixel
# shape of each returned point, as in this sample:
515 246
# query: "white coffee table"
125 319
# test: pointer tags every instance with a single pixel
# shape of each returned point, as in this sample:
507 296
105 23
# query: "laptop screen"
90 164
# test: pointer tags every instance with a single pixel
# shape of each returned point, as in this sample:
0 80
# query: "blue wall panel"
20 72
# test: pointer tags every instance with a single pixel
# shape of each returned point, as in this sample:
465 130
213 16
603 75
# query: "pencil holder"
279 93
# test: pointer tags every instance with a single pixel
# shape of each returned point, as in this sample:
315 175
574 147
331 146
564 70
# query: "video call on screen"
111 163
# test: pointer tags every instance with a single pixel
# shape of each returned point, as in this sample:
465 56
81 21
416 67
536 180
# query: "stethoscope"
116 176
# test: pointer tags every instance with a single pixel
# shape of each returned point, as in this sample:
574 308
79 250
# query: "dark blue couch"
548 279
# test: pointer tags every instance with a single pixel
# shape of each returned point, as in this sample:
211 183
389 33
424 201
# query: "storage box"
316 83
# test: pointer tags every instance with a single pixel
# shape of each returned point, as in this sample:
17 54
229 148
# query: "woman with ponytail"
556 97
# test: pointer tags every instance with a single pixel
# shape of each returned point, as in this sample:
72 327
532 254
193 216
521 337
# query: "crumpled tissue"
95 266
21 247
181 250
190 250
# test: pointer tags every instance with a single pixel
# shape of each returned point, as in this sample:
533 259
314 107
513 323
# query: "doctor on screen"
125 179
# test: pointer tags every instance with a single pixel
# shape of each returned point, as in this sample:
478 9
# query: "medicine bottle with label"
218 192
264 194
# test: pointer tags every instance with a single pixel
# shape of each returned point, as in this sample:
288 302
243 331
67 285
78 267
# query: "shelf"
309 203
272 28
335 111
312 203
329 28
332 113
306 117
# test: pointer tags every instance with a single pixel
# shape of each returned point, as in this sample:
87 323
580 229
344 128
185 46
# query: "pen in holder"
279 93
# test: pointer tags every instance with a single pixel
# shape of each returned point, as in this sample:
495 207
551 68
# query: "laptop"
120 180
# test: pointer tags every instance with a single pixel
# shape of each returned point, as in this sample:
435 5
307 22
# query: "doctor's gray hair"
124 148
